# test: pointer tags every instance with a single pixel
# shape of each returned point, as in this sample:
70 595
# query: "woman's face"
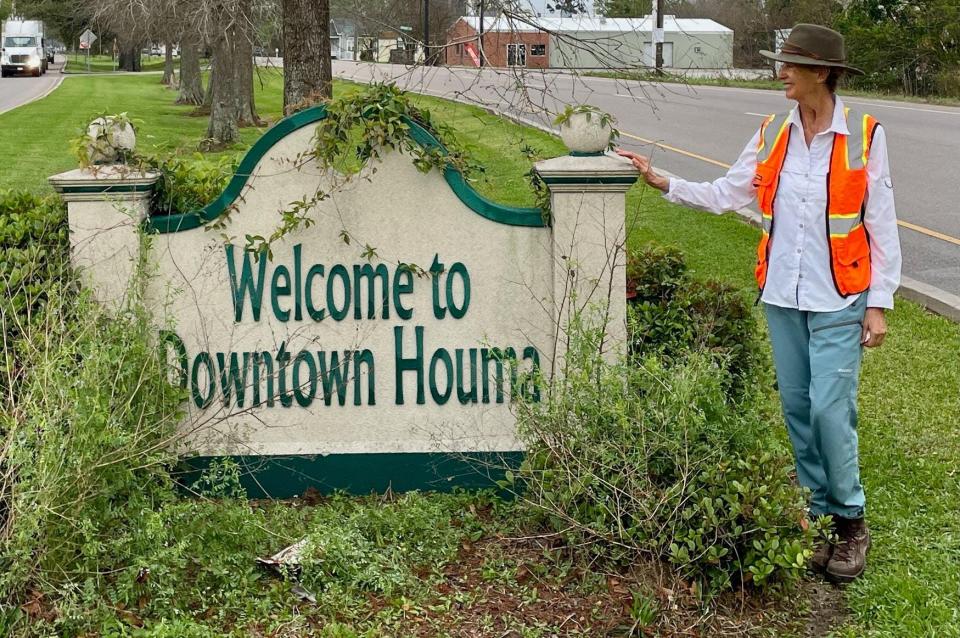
800 81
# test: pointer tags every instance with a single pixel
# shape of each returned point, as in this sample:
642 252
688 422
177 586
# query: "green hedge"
34 268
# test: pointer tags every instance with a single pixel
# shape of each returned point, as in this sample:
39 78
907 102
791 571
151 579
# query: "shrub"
187 184
673 314
85 446
34 269
651 457
382 549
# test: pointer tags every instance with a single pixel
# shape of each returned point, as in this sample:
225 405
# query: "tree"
307 72
567 7
911 46
222 129
191 81
624 8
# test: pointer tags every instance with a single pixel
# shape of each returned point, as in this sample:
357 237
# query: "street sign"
87 38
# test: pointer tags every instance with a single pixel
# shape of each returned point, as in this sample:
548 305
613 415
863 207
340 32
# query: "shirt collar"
838 125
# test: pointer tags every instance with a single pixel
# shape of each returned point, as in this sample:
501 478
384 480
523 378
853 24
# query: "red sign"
473 53
84 45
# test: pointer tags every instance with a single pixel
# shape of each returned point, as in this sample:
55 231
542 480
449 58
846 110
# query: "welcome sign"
381 347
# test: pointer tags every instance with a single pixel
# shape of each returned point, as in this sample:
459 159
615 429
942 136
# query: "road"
695 132
20 89
699 130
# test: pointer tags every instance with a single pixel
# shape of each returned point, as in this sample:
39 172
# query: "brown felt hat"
813 45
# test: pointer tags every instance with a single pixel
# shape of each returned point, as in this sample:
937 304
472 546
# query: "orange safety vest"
846 194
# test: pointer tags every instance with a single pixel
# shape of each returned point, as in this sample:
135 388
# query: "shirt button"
801 225
804 200
799 251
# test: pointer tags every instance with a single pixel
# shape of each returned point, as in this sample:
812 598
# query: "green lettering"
336 376
371 274
172 339
268 361
359 358
407 365
531 353
497 356
234 378
338 271
457 312
462 396
315 271
199 399
278 290
402 289
283 358
303 400
246 285
441 356
436 269
297 288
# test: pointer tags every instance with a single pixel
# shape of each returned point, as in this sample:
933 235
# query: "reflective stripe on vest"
846 193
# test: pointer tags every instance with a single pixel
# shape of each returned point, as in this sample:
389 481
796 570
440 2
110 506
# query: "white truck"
23 48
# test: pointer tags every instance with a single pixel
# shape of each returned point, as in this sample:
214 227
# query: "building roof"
671 24
343 26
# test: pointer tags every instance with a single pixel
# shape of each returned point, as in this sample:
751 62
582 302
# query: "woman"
828 264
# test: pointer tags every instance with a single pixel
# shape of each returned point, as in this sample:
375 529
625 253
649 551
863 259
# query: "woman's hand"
874 328
642 164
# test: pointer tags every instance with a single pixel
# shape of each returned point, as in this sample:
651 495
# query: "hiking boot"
850 551
823 546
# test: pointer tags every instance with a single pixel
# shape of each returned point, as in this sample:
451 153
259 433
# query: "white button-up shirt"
798 274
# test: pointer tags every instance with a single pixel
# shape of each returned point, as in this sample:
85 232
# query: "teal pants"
817 357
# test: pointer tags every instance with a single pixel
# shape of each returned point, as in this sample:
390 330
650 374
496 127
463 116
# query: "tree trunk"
307 75
242 40
130 58
167 63
222 130
208 95
191 81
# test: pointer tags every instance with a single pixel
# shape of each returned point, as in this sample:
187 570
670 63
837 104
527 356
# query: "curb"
930 297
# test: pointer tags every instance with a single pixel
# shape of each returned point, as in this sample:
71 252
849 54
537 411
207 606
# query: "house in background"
389 46
343 39
589 42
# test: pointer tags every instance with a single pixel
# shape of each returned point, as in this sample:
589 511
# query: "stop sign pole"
87 38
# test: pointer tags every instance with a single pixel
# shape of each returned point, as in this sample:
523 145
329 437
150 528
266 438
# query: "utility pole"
480 41
658 37
426 32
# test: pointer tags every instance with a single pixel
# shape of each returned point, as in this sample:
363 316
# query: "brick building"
505 43
589 42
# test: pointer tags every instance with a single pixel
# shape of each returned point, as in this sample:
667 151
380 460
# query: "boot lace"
843 550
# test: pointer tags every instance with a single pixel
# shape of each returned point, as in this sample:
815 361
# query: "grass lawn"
37 135
77 63
910 442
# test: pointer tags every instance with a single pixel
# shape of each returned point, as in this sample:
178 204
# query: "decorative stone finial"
586 130
111 139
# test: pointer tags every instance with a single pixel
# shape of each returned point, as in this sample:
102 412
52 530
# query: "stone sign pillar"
588 204
105 207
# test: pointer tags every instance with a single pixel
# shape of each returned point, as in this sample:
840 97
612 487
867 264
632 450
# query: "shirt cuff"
670 196
880 299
